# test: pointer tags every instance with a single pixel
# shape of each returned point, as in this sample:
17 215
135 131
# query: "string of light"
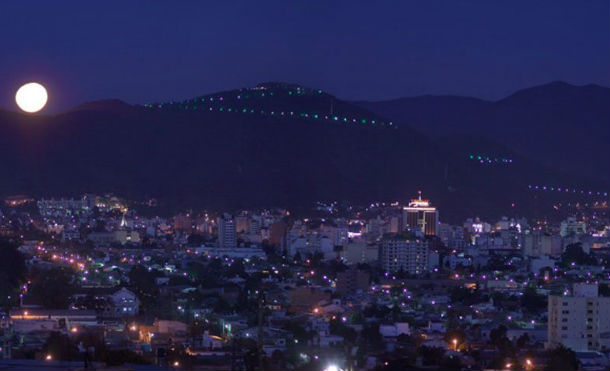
218 103
484 159
566 190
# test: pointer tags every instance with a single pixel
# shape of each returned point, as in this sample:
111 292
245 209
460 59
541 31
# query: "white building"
537 243
581 321
310 242
572 226
234 253
409 256
359 251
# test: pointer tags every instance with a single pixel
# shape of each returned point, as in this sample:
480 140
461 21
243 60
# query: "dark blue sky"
142 51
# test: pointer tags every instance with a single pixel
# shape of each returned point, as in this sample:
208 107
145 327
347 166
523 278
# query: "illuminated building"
15 201
420 214
409 256
242 224
183 222
580 321
226 232
36 319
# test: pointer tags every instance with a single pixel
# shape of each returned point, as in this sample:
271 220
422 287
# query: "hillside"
242 149
560 125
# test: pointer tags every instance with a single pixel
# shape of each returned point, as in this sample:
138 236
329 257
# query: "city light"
232 223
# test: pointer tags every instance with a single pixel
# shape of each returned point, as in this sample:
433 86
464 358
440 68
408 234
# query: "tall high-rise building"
409 256
420 214
226 231
242 223
579 321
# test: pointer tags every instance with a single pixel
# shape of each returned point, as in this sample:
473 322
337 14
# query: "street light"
332 368
455 343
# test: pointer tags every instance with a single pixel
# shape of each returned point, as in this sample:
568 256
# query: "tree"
203 275
561 358
499 339
431 356
523 340
52 288
60 347
575 254
195 239
236 268
337 327
298 331
461 295
531 301
143 283
12 272
450 363
370 333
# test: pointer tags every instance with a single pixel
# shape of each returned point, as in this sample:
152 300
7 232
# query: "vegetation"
12 272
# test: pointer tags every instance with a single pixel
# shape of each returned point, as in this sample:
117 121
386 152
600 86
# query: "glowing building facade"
420 214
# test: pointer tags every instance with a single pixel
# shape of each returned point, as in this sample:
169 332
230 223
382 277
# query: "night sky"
142 51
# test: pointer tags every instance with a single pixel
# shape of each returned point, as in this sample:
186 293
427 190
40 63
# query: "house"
107 302
33 319
125 302
394 330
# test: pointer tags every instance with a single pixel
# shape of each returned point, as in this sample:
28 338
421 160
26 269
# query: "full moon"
31 97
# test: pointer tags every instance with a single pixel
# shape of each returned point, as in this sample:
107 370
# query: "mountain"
560 125
275 144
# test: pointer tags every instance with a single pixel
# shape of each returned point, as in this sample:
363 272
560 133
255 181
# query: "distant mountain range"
281 144
563 126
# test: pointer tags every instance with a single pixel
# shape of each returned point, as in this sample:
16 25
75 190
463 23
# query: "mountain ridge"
575 117
259 155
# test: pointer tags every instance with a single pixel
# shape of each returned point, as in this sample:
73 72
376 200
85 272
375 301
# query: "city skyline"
305 186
